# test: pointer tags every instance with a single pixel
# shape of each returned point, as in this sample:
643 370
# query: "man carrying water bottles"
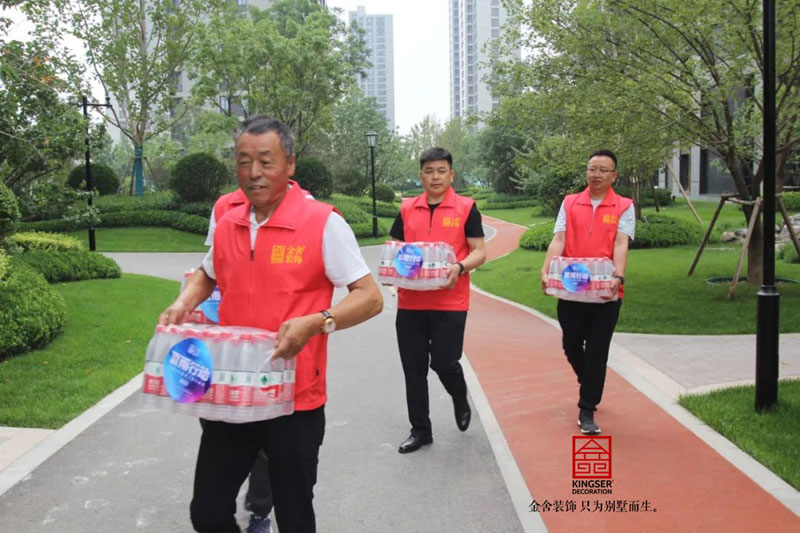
276 259
594 223
430 324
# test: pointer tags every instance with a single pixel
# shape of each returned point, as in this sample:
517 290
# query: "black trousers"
435 339
586 336
259 490
227 452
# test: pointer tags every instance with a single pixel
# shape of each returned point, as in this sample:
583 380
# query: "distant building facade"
379 82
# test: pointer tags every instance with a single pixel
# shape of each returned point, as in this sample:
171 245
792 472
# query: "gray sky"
421 56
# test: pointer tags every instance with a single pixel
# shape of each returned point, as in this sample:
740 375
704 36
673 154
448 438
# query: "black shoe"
586 422
463 413
414 443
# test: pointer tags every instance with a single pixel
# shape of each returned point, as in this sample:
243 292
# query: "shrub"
788 253
551 188
349 182
173 219
104 178
72 265
364 229
658 231
52 201
40 241
9 212
384 209
411 193
32 314
198 178
791 201
506 201
201 209
349 209
538 237
384 192
5 263
664 195
314 176
113 203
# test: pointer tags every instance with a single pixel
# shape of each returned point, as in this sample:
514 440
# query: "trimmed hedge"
72 265
32 314
664 195
198 178
174 219
538 237
384 209
653 232
349 209
658 231
104 178
364 229
791 200
9 212
313 176
158 201
384 192
491 204
201 209
40 241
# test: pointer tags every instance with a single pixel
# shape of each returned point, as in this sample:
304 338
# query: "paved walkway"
122 465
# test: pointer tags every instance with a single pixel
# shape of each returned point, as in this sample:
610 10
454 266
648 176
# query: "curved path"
532 392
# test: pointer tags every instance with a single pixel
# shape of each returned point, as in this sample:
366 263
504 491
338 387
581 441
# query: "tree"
136 49
458 138
292 61
695 65
40 131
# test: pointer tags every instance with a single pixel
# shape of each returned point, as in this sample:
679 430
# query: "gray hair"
261 124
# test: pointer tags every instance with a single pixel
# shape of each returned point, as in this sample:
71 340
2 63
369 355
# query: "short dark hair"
605 153
261 124
436 154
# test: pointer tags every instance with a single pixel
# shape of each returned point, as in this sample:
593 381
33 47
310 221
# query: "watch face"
329 326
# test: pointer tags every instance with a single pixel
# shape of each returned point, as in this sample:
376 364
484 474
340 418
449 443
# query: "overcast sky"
421 54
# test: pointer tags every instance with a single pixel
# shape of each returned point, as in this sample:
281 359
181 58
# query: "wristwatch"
329 325
461 266
620 278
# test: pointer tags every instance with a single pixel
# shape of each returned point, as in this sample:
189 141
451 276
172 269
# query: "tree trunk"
755 251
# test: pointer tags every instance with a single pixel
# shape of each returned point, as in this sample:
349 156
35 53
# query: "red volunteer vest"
226 202
447 225
281 278
592 235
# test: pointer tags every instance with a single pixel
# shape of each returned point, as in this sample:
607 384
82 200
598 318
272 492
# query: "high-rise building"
473 23
379 82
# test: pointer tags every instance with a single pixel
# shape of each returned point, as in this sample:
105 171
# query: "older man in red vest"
430 324
276 259
594 223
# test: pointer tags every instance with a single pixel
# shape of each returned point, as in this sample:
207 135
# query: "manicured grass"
109 323
770 437
143 239
659 297
731 216
524 216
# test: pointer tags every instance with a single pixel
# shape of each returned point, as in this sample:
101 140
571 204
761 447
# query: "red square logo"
591 457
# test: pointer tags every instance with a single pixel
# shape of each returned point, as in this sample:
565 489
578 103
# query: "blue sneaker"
258 524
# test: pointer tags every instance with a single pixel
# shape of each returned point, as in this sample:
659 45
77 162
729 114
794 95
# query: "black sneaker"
258 524
586 422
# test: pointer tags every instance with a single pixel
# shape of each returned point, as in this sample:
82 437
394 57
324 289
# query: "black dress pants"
435 339
227 452
259 490
586 337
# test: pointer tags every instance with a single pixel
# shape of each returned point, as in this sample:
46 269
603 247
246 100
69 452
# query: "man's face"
436 177
262 169
601 173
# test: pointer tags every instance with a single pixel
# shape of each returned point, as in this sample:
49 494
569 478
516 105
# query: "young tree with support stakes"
696 65
136 49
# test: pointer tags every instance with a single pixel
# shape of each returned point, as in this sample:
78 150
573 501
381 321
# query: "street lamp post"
768 300
372 141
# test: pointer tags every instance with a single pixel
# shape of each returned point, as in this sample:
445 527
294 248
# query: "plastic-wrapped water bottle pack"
218 372
420 266
581 279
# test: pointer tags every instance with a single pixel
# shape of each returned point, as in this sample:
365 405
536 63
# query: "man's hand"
294 334
614 290
177 313
453 271
545 279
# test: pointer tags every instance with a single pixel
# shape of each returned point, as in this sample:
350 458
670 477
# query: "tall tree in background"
292 61
136 49
696 65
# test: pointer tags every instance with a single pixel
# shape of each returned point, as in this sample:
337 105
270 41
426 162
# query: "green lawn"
524 216
731 216
770 437
109 323
143 239
659 297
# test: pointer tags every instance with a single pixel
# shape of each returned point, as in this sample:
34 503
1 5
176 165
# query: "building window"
495 33
495 11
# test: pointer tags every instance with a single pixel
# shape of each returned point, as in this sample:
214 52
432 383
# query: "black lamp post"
768 300
372 141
